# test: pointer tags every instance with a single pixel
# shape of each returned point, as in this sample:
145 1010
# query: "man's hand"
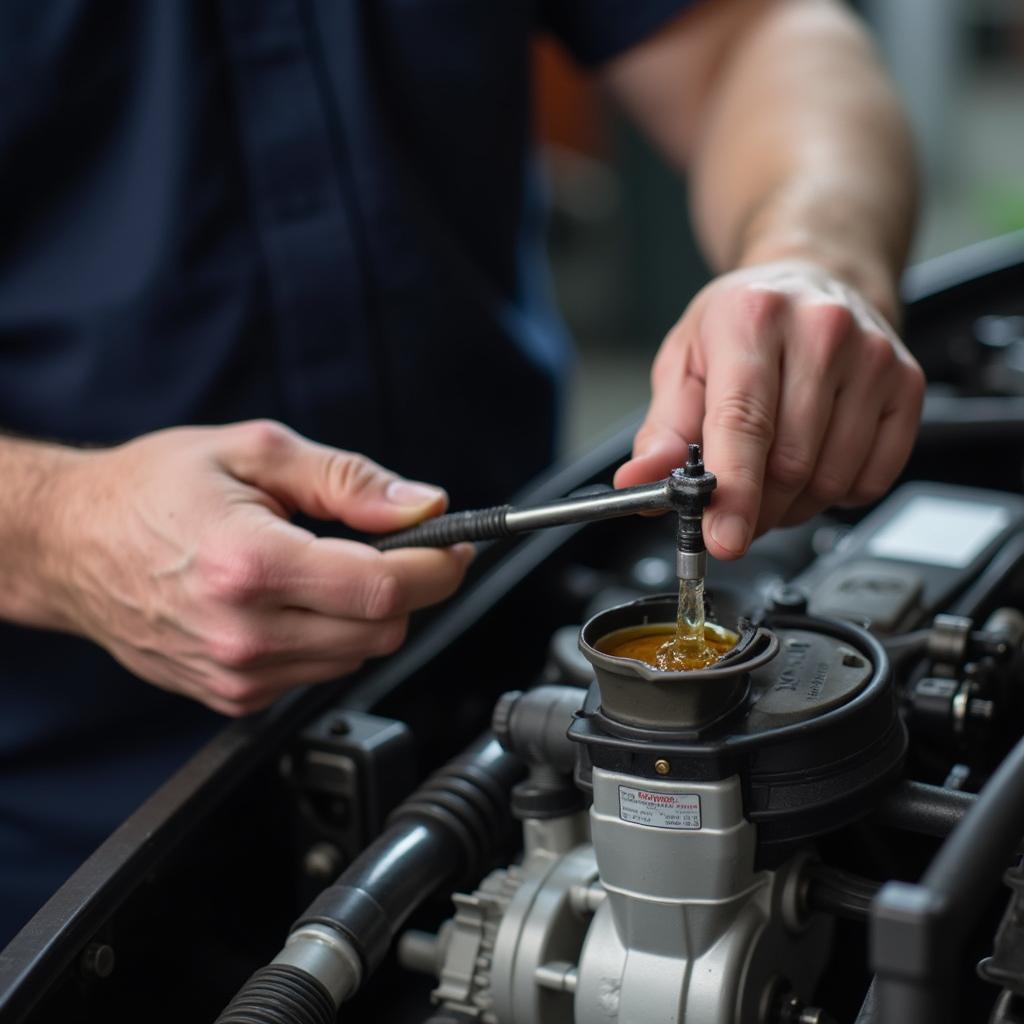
801 172
802 393
175 552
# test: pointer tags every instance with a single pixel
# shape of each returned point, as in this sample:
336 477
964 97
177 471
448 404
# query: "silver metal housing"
662 917
689 931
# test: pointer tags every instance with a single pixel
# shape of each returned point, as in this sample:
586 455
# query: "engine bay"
823 826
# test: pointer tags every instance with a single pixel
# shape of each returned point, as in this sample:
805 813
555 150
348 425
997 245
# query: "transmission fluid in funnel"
654 645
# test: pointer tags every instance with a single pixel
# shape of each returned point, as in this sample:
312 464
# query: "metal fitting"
558 976
947 639
327 956
691 565
689 488
689 491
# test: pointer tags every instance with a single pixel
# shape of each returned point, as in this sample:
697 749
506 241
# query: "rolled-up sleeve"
597 30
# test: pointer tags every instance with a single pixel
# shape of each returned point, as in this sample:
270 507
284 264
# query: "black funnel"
638 695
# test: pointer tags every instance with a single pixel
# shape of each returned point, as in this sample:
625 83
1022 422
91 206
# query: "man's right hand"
174 551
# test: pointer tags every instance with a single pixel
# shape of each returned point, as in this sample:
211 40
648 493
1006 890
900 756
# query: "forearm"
29 516
804 153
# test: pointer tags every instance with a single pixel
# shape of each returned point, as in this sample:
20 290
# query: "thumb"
325 482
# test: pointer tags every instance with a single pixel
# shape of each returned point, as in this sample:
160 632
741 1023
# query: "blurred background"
623 258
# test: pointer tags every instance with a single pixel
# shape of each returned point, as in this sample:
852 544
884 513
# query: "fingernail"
408 493
731 532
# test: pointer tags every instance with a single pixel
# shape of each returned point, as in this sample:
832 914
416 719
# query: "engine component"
812 732
918 929
1005 967
919 807
690 490
694 885
688 915
347 770
515 941
448 825
903 562
523 947
467 943
971 681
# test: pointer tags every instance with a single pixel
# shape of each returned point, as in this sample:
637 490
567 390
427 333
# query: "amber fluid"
689 647
657 645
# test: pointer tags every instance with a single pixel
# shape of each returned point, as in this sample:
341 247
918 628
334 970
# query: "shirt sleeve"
597 30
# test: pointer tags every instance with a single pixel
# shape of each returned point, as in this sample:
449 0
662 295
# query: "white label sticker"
659 810
939 531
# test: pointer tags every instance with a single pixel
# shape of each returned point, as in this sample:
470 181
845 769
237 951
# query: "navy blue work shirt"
320 211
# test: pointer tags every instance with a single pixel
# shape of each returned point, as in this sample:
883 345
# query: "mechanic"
324 213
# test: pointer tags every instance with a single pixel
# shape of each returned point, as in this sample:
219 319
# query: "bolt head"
322 861
98 960
662 767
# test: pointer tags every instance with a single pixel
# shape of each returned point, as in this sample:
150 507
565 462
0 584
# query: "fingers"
235 694
292 637
197 582
279 607
255 652
744 343
325 482
847 445
812 374
229 691
870 436
261 561
258 649
346 579
673 420
894 440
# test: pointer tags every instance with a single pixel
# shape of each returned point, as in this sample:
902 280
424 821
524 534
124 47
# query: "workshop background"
623 257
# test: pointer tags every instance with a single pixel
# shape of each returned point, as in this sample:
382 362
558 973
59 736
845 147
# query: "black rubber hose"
904 646
446 831
839 892
922 808
280 994
476 524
